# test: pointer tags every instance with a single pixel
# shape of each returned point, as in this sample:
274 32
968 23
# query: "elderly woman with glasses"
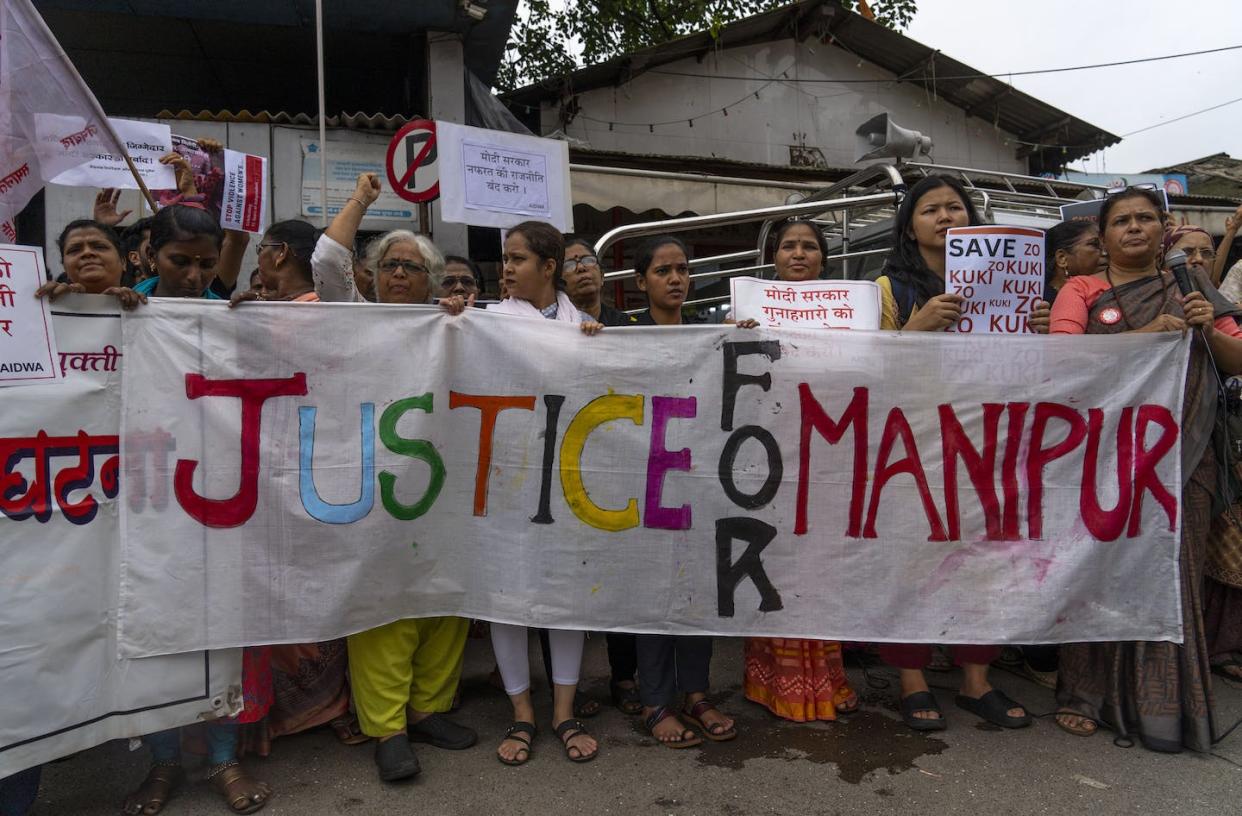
405 673
407 267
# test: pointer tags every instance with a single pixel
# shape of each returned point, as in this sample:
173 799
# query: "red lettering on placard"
896 427
1145 461
237 509
1039 456
981 467
1106 525
813 417
489 408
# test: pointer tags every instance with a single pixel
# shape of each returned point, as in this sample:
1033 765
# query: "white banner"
490 178
146 143
65 688
705 480
813 304
27 339
244 206
999 272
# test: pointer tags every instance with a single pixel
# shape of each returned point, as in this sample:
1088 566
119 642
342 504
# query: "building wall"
819 115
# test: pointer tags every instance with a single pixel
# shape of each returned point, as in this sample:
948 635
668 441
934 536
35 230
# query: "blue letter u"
317 507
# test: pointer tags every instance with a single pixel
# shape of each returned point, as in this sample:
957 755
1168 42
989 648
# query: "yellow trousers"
414 663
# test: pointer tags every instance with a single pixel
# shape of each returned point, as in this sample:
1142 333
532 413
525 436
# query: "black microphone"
1175 262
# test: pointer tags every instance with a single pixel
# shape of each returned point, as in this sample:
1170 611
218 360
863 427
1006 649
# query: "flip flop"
715 733
994 707
569 729
917 703
515 732
625 698
348 732
687 739
1087 729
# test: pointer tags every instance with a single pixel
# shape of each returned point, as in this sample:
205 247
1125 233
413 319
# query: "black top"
608 316
644 318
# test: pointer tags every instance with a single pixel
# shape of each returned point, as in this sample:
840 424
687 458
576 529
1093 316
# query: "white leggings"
513 656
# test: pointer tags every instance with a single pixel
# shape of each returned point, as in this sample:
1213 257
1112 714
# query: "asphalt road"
867 764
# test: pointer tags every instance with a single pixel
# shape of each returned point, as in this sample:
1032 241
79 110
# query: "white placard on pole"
999 272
489 178
28 350
813 304
146 143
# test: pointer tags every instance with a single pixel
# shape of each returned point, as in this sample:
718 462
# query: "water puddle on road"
866 742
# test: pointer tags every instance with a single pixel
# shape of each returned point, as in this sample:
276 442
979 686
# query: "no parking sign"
413 171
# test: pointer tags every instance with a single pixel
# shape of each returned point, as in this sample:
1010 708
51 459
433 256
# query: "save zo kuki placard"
700 480
999 272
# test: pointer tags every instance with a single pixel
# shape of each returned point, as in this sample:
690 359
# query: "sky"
994 36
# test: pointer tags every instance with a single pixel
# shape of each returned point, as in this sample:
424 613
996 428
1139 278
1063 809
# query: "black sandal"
568 730
716 732
585 707
687 738
917 703
994 708
513 733
626 699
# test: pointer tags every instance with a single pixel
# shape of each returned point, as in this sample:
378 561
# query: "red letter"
1009 468
238 509
1038 456
1106 525
896 427
1145 461
813 416
489 409
982 468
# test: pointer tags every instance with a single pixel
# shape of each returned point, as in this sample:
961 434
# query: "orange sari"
799 680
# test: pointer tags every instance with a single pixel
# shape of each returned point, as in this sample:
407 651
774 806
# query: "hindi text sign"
490 178
145 142
27 342
999 272
813 304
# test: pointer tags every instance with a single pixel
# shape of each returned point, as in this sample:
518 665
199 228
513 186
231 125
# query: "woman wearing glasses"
1157 691
461 278
404 673
1196 243
407 267
584 283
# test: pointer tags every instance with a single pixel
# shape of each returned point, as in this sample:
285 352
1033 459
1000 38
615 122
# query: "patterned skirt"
799 680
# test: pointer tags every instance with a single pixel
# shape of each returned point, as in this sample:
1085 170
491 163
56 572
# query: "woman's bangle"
359 202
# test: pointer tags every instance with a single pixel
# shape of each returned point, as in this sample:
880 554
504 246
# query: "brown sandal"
348 732
155 791
242 793
686 739
716 732
1086 726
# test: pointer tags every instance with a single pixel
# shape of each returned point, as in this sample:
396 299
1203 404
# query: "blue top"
147 287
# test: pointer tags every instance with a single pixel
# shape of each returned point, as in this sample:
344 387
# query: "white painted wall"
761 129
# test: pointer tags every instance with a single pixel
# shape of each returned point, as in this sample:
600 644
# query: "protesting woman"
914 299
404 673
673 664
534 254
185 246
584 283
90 253
406 266
796 679
1158 690
284 271
1196 243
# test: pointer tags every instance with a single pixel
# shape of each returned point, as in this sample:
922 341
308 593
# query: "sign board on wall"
411 163
345 161
489 178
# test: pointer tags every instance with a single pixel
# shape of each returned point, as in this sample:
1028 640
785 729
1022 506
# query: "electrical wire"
999 75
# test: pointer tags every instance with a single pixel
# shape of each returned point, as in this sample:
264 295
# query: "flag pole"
323 121
98 110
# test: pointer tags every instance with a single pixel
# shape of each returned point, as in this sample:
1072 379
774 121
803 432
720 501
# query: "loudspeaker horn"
880 138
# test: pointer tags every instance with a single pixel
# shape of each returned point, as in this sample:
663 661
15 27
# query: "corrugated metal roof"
1048 128
355 121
